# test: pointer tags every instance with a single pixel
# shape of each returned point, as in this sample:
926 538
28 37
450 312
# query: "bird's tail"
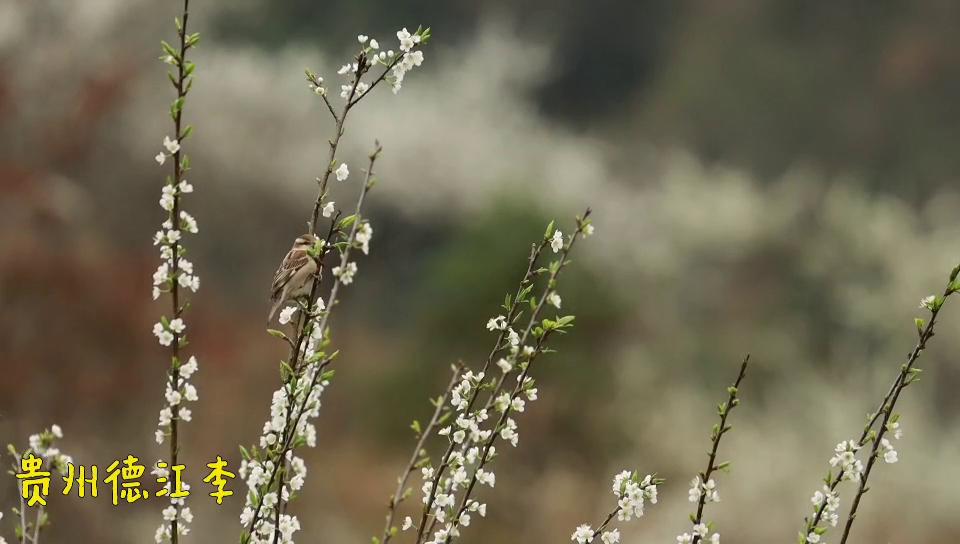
273 309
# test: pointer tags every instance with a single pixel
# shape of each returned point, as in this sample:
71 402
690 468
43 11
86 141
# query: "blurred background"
773 177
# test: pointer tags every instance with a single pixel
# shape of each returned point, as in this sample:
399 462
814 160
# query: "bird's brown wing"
295 259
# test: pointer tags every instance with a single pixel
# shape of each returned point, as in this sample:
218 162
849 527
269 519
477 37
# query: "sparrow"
292 279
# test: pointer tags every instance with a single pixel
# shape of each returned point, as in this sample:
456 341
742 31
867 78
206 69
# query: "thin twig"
903 380
397 497
883 410
732 402
289 430
521 379
177 310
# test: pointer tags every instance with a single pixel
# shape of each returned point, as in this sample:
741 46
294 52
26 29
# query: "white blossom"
172 146
177 325
342 171
287 314
407 41
556 242
346 274
363 237
889 453
164 336
583 534
610 537
497 323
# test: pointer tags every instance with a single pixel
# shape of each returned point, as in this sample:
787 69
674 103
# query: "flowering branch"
704 489
271 470
42 445
175 272
470 445
354 91
907 376
269 478
827 502
631 492
419 457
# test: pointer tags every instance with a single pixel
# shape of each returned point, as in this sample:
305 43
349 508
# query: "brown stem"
177 310
732 401
304 333
518 389
894 392
902 381
335 142
415 454
603 525
512 314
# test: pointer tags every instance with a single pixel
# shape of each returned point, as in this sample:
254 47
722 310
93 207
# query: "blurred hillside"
772 177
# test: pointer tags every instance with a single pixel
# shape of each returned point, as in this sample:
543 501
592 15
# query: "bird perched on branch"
292 279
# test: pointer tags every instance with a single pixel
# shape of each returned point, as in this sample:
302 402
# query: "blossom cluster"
272 472
632 494
176 397
469 437
707 492
174 272
699 533
175 511
174 275
395 65
447 489
826 503
472 435
706 489
44 445
174 268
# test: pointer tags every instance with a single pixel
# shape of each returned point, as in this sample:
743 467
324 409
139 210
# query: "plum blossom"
342 172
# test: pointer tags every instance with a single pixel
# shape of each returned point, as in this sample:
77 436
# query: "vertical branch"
177 309
298 364
267 468
175 274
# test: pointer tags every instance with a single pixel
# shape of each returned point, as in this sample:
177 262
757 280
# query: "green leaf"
277 334
168 49
549 232
347 221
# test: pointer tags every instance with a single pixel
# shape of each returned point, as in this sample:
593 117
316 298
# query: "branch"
718 431
399 494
